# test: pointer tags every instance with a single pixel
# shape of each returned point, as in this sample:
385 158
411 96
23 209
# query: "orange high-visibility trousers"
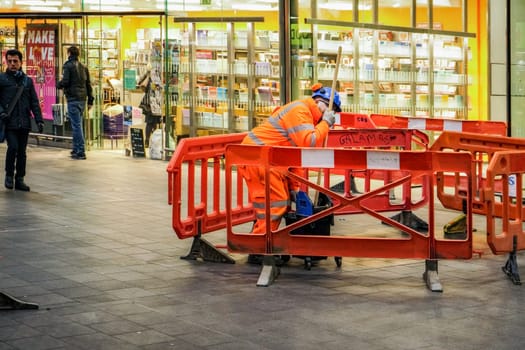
279 196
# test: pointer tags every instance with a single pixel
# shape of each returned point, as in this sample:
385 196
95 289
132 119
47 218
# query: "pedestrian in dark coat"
18 122
76 84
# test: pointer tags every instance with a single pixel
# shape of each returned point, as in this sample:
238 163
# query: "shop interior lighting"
440 3
180 2
254 7
195 5
366 6
180 5
39 3
43 8
111 8
343 6
177 7
102 2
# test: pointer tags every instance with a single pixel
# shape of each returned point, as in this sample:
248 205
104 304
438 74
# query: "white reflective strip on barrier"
453 125
417 123
317 158
382 160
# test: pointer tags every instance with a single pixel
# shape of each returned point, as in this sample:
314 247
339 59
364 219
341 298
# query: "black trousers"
16 157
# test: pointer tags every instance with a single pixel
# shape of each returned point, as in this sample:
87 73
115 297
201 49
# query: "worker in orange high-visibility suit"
300 123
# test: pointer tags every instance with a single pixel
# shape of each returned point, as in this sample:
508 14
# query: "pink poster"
40 64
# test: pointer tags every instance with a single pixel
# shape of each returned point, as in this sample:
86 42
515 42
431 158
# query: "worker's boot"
255 259
20 184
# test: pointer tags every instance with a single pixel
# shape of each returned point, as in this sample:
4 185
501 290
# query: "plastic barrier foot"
8 302
431 276
269 272
407 218
200 248
511 266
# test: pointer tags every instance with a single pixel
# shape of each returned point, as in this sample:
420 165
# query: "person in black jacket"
151 106
77 88
18 122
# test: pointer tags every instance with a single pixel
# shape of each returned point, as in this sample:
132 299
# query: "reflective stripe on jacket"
294 124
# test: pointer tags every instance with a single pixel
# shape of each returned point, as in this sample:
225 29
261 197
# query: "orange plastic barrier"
189 173
422 165
490 184
482 148
195 155
437 124
202 178
507 167
374 138
391 139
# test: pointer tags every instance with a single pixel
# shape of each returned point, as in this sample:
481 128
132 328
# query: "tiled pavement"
92 245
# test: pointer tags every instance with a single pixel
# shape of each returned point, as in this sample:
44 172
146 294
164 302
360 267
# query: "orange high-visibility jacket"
294 124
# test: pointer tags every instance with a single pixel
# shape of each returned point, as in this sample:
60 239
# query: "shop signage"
41 64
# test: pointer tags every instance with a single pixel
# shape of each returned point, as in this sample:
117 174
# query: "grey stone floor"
92 245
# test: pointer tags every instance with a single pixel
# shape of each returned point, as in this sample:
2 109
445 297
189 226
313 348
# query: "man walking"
77 88
18 101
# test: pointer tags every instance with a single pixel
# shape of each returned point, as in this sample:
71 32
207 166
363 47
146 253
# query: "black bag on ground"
319 227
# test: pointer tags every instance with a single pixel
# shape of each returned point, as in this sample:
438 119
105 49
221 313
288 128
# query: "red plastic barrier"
414 164
189 174
392 139
482 148
437 124
198 155
508 168
376 138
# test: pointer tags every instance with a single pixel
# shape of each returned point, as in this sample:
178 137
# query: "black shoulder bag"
9 110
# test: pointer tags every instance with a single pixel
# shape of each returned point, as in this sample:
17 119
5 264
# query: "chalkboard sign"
137 142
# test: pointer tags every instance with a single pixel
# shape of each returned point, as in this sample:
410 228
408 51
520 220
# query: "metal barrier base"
8 302
511 266
431 276
50 140
200 248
